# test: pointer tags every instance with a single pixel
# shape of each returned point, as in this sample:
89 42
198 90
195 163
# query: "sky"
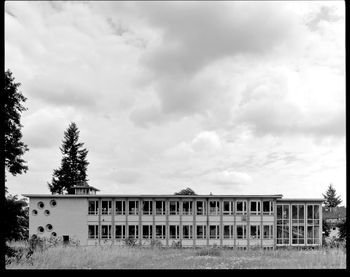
222 97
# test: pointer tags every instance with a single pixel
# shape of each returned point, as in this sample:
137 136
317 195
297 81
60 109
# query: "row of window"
187 231
213 207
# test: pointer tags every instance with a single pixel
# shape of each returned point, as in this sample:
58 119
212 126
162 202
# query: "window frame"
148 211
189 210
230 234
106 210
244 207
122 233
190 231
135 210
95 210
204 207
123 206
257 211
94 235
231 205
215 210
176 227
204 231
177 207
162 209
244 231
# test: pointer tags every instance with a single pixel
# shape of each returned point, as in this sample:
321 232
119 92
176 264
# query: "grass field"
114 257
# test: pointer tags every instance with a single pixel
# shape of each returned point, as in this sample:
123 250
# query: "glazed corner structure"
240 221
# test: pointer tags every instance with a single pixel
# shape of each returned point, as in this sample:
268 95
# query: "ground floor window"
254 231
282 234
241 231
187 231
313 234
174 231
147 231
228 231
120 231
106 232
214 231
93 231
201 231
160 231
298 234
134 231
268 231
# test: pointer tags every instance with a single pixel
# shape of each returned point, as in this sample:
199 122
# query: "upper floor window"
187 207
201 207
119 207
313 214
93 207
267 207
228 207
160 207
133 207
214 207
106 207
241 207
147 207
298 214
255 207
174 207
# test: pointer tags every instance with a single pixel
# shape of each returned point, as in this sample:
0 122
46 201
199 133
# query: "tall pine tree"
331 199
73 165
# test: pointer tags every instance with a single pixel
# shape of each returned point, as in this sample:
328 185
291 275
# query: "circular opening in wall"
41 205
53 203
41 229
54 234
47 212
49 227
34 212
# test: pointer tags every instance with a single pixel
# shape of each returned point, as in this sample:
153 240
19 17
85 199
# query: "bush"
130 242
176 244
156 243
209 252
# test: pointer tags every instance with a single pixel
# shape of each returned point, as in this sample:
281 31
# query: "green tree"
331 199
342 229
186 191
73 170
14 147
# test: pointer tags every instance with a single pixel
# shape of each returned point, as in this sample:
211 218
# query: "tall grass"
115 257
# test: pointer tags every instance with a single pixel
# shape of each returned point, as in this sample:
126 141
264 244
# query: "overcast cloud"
223 97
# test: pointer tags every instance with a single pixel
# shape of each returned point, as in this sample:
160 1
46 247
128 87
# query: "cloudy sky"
222 97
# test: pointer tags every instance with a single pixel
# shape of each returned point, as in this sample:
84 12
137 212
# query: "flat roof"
301 200
146 196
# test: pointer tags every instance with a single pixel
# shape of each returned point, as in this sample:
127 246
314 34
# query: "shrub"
130 242
156 243
176 244
214 251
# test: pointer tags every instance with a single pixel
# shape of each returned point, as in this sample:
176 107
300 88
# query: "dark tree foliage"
186 191
326 228
14 147
73 170
342 229
331 200
16 220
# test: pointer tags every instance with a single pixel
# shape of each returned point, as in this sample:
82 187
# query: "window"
313 224
187 207
228 231
267 207
298 221
255 207
201 231
255 231
147 231
119 207
41 205
106 231
174 207
228 207
93 207
147 207
283 224
160 231
160 207
120 232
134 207
53 203
214 232
241 207
134 231
47 212
298 214
106 207
268 231
49 227
187 231
41 229
214 207
93 231
34 212
313 234
201 210
241 231
174 231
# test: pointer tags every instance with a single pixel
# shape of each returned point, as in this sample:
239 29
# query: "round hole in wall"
54 234
41 229
53 203
41 205
49 227
47 212
34 212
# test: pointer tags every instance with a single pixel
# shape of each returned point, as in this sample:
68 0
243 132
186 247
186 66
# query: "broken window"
119 207
228 207
120 231
174 231
160 231
268 231
106 231
160 207
255 207
134 207
134 231
187 231
228 231
93 231
267 207
147 231
201 210
174 207
241 231
214 207
201 231
254 231
187 207
106 207
147 207
214 232
241 207
93 207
